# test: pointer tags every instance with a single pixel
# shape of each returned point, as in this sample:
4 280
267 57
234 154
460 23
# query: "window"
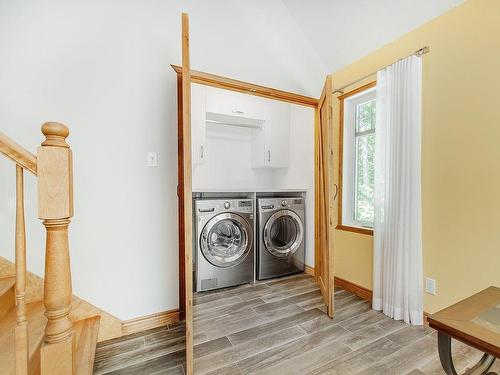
357 158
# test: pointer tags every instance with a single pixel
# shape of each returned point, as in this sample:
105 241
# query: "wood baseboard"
364 293
356 289
144 323
309 270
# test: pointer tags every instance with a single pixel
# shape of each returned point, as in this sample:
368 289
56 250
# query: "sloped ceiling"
255 41
342 31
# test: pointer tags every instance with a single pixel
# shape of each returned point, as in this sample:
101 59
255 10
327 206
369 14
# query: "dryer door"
283 233
226 240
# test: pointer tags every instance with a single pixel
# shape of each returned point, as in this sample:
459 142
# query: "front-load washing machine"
224 248
281 237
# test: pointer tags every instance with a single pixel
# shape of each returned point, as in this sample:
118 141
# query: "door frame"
214 80
185 196
184 187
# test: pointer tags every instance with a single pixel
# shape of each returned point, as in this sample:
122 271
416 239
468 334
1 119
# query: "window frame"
347 137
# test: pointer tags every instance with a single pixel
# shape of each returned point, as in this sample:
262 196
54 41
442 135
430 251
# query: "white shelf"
251 126
229 120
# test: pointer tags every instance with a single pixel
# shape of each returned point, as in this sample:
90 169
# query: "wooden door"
323 226
185 191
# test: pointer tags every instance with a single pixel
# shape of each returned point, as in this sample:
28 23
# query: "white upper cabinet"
271 143
233 104
198 123
268 119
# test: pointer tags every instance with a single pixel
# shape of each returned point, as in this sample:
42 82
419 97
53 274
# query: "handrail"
18 154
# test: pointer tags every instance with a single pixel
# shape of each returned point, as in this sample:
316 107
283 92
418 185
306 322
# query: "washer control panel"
211 206
245 205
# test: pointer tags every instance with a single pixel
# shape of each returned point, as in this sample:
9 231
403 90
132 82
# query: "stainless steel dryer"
224 248
281 237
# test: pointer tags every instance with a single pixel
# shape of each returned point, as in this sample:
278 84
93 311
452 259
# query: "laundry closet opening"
253 210
253 188
248 187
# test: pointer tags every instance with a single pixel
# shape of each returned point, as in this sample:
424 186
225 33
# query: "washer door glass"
283 233
226 240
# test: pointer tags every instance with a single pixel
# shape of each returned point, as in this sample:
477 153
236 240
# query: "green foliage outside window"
365 167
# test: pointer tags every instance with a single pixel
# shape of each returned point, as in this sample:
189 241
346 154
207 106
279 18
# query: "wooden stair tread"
110 326
86 331
36 326
6 283
7 294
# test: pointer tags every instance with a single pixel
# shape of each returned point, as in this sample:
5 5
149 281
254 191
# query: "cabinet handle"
238 112
269 156
202 151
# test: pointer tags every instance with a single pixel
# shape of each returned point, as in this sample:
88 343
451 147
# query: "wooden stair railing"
67 347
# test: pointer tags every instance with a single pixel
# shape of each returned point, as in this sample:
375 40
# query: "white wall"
228 159
102 67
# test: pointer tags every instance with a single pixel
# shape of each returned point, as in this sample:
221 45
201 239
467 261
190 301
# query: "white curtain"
398 279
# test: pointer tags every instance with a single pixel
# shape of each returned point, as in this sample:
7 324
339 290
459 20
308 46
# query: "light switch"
152 159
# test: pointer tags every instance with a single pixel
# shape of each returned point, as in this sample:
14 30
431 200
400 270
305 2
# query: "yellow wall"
460 153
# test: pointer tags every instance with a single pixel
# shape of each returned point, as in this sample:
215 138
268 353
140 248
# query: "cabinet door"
233 103
271 144
259 148
198 123
278 134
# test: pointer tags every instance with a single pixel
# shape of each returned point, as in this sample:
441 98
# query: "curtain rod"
419 52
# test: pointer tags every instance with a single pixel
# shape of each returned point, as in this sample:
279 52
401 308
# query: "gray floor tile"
265 328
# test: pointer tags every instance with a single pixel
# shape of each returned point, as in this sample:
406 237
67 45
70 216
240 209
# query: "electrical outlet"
152 159
430 286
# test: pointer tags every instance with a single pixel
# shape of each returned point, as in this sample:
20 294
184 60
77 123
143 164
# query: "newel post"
55 208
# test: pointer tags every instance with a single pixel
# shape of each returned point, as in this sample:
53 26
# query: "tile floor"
279 327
